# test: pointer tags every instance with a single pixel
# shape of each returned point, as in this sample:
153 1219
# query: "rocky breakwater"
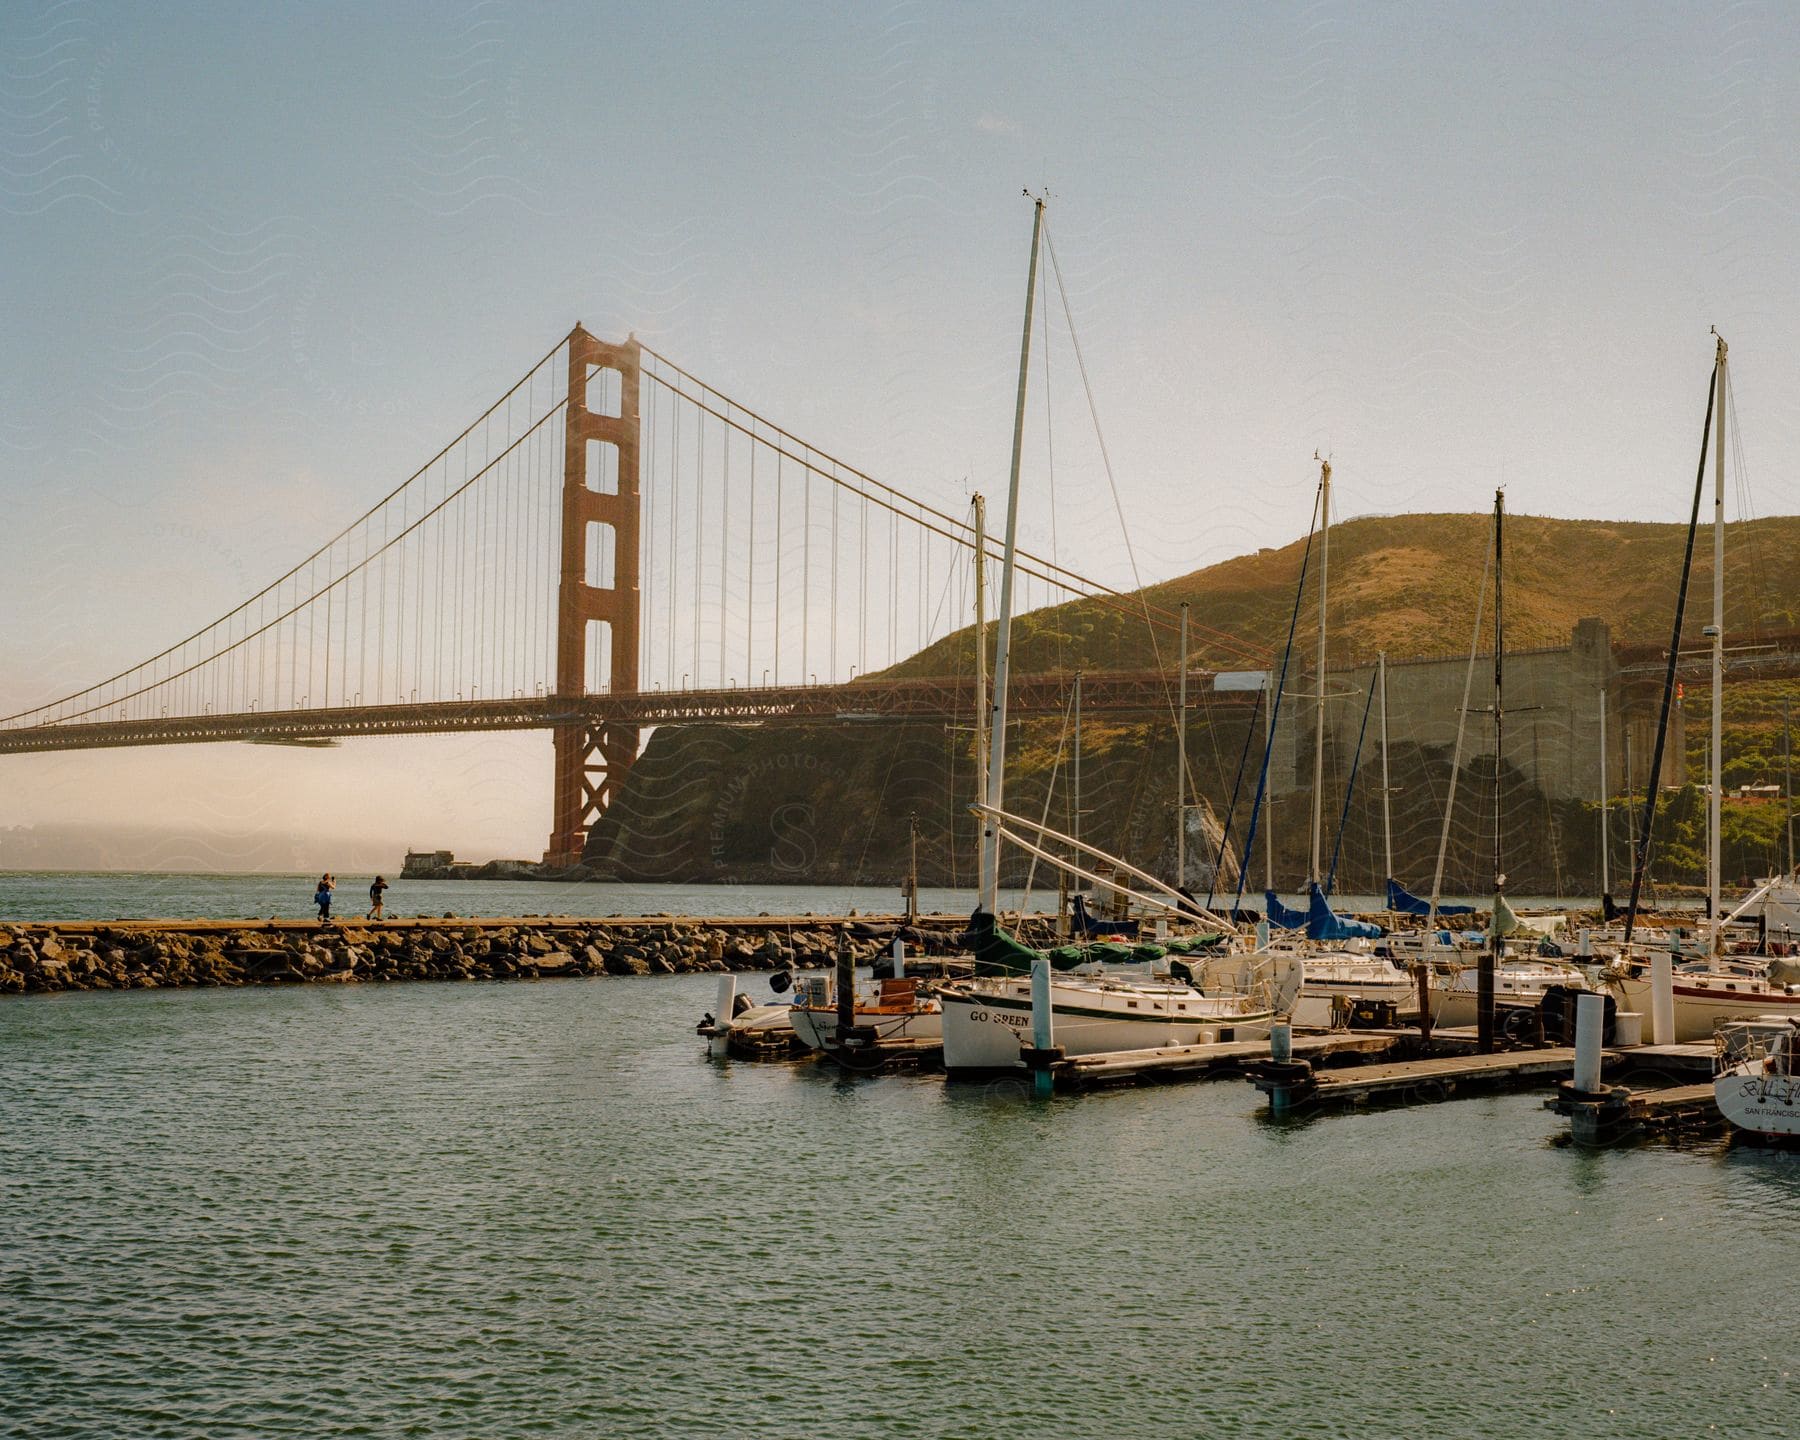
149 955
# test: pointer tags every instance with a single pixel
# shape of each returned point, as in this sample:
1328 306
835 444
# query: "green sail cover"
997 953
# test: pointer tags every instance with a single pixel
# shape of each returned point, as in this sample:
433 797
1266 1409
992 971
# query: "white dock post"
1043 1035
899 958
1590 1030
1281 1041
1662 998
1262 934
1586 948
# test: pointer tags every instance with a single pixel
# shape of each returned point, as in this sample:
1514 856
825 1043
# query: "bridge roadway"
873 700
1140 692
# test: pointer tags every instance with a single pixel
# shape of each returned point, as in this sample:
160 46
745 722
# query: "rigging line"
1462 716
1349 791
1093 590
308 560
332 586
1236 787
1106 461
1651 786
1050 475
880 800
1287 654
1049 795
1752 533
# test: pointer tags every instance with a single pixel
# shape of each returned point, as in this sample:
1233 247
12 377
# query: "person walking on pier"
322 898
376 891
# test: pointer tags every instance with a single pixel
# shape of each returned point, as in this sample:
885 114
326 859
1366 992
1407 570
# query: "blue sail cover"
1322 924
1084 923
1280 916
1405 904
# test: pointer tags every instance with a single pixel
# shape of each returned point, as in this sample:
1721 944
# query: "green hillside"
835 801
1407 584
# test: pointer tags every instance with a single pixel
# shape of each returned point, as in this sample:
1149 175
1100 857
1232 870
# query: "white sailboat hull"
814 1026
1762 1103
985 1025
1703 1004
1454 997
1319 995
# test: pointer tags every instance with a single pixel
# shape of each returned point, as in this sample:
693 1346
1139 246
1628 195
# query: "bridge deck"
924 699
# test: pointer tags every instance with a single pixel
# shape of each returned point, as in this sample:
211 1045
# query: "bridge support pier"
600 489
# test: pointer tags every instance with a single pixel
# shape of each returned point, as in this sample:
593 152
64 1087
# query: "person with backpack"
376 891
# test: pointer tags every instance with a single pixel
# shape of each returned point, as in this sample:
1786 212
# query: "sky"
261 261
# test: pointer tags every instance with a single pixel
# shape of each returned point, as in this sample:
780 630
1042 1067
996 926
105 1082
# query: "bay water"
535 1208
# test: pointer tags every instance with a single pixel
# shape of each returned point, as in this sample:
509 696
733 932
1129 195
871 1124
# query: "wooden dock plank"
1177 1062
1677 1097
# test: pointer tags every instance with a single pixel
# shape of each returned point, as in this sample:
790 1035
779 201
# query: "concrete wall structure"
1551 721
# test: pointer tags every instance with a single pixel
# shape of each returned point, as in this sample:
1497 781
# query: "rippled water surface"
533 1208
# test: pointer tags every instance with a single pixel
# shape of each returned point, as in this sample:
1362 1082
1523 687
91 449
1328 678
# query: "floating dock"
1294 1085
1172 1063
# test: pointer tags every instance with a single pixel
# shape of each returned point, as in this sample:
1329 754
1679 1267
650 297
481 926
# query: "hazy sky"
260 261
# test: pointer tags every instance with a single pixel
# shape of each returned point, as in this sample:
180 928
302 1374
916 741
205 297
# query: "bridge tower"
600 488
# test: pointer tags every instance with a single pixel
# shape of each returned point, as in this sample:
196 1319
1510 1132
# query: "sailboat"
1756 1081
1019 1002
1498 981
896 1011
1717 988
1347 972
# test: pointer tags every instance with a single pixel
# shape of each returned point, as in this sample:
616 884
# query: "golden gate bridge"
613 545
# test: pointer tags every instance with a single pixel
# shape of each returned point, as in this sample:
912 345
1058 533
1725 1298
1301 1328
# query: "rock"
619 964
555 961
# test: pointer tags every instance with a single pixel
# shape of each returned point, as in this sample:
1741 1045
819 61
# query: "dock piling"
1590 1027
1662 998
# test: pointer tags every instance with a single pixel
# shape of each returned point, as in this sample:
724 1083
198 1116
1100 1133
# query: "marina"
954 722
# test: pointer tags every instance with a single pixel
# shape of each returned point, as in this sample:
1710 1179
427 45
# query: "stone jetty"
153 954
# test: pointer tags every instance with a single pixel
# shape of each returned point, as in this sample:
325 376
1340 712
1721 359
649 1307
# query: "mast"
1643 834
1181 759
912 873
1387 818
1717 630
1075 784
981 679
1272 687
1318 798
1499 675
1787 782
996 767
1605 882
1490 958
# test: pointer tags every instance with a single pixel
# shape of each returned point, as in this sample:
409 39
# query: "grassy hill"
1407 584
834 801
